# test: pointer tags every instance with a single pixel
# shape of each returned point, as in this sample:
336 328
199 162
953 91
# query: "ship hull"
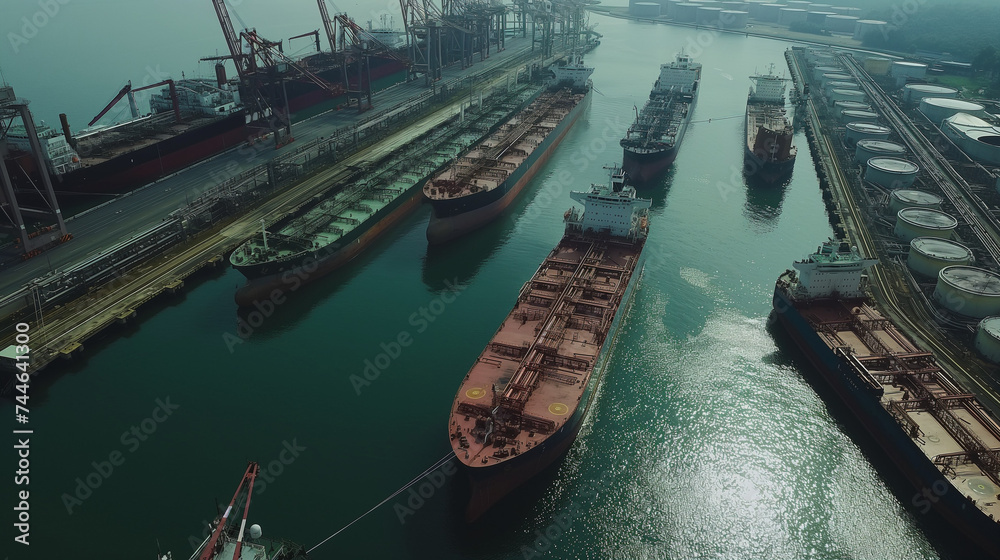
273 279
454 218
915 467
489 484
644 168
147 164
757 163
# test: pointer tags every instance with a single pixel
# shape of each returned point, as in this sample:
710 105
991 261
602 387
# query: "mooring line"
437 464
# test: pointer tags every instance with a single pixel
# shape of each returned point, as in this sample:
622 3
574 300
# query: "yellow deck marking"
476 393
558 409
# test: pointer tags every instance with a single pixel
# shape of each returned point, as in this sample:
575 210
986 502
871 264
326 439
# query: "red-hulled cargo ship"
769 153
481 184
941 439
523 402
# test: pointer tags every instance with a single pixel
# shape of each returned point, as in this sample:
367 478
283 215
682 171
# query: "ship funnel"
65 127
220 74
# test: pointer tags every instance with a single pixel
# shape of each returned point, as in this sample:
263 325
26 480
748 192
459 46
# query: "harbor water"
710 437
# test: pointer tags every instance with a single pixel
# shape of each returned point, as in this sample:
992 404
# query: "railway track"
968 206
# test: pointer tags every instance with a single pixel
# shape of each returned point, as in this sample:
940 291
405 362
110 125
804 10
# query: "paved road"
136 211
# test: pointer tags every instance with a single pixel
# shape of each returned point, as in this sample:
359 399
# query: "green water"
707 439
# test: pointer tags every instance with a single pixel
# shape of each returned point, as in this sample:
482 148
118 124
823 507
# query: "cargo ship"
941 439
230 540
319 238
206 118
769 154
477 187
521 405
650 145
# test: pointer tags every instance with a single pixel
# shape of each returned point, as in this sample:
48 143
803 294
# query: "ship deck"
103 145
337 216
534 372
948 425
771 118
659 121
492 161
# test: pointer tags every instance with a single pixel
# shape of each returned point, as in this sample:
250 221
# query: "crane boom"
328 25
124 91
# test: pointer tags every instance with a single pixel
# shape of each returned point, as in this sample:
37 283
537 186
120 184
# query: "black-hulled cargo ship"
941 439
651 143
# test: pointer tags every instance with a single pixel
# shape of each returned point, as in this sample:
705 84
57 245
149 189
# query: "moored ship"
769 153
477 187
651 143
941 439
523 402
319 238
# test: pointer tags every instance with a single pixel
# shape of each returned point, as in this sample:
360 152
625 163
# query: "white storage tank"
866 26
818 18
891 173
901 68
988 339
900 199
877 65
800 4
915 92
735 6
733 19
867 149
830 86
847 95
851 115
968 291
923 222
928 255
708 15
753 8
788 16
937 109
841 24
769 12
820 70
841 106
855 132
834 77
645 9
686 12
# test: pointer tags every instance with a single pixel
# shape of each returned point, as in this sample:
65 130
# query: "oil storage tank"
865 27
847 95
915 92
923 222
851 115
831 69
928 255
867 149
841 24
877 65
686 12
855 132
708 15
988 339
967 290
840 84
891 173
841 106
979 139
904 69
937 109
912 198
645 9
788 16
769 12
733 19
818 17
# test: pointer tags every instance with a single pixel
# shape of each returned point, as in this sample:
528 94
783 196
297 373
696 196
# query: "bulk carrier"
522 404
651 143
317 239
189 120
477 187
769 154
939 436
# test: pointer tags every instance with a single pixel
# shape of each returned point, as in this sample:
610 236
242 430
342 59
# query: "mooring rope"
437 464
